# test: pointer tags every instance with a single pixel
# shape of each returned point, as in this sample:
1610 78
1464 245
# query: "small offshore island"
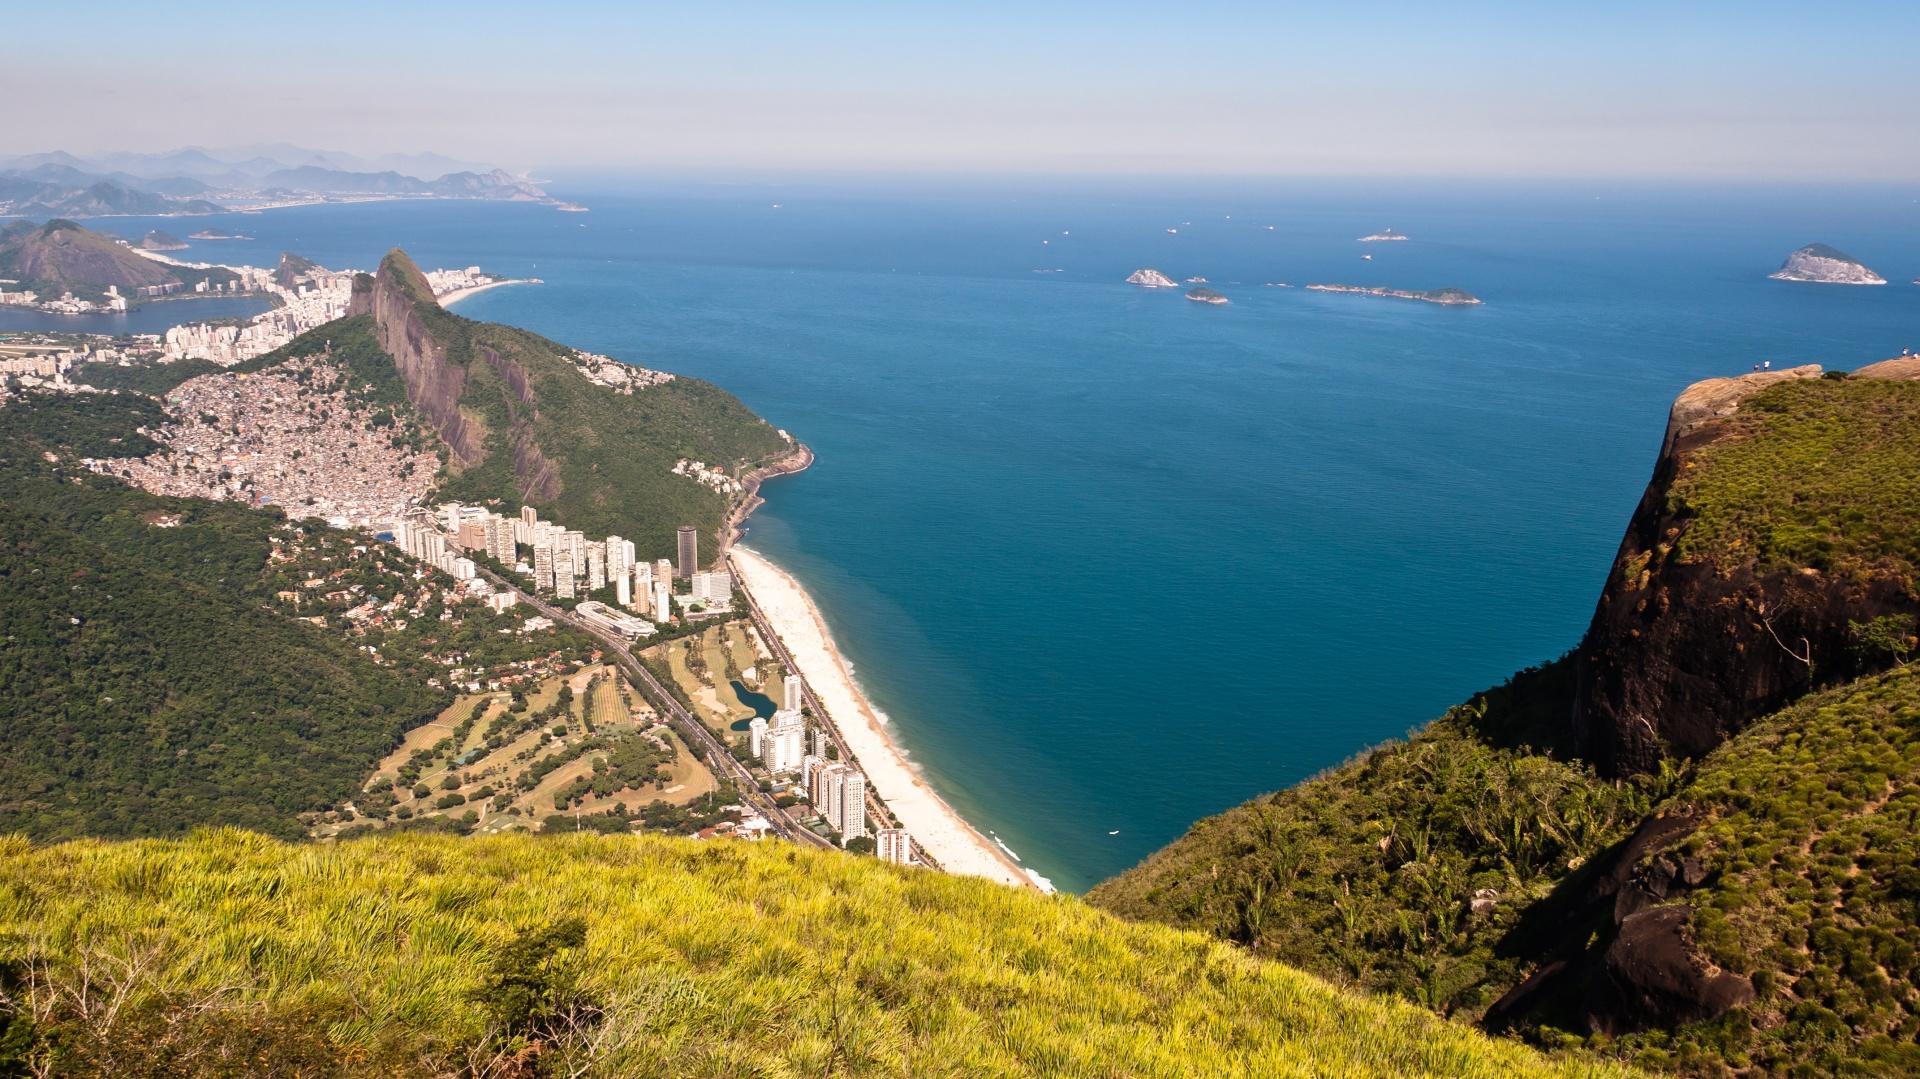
1823 265
1205 295
157 240
1151 279
1383 236
1445 297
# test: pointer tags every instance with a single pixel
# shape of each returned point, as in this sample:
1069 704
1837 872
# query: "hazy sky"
1754 89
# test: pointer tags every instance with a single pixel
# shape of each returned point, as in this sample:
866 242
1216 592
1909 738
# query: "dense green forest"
156 679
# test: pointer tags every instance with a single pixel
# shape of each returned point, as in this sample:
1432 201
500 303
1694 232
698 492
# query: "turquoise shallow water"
1114 561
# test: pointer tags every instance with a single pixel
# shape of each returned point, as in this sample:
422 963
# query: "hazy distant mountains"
195 180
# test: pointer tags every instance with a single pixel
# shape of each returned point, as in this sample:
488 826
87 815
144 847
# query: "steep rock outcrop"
1637 967
394 297
1683 653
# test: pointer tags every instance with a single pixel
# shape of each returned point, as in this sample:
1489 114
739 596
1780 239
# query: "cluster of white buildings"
565 564
445 281
421 541
68 303
711 477
320 298
837 790
622 378
418 536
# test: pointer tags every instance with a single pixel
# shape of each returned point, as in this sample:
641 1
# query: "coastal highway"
691 730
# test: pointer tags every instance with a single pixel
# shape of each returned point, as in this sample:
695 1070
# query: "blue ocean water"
1113 561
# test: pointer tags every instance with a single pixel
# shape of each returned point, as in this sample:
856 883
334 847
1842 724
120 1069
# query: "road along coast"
940 831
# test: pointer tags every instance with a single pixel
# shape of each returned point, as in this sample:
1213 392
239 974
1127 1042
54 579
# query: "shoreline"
936 827
459 294
799 459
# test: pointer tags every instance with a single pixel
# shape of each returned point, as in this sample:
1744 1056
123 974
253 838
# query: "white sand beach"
949 839
459 294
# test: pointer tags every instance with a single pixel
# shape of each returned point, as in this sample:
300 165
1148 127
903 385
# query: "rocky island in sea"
157 240
1383 235
1151 279
216 234
1205 295
1823 265
1445 297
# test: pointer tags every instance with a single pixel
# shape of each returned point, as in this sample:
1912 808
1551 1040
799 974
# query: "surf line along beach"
945 836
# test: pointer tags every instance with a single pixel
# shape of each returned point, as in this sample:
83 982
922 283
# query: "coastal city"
694 640
794 754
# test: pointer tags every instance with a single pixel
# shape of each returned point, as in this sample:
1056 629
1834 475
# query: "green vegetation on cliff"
644 956
1743 901
1810 849
1369 873
1821 473
520 423
613 454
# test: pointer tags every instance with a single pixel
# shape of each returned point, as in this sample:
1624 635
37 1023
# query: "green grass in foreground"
1817 472
418 954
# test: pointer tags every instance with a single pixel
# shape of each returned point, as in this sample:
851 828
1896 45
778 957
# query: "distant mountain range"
195 180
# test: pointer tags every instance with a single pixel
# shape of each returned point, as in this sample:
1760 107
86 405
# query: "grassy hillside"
413 954
1369 873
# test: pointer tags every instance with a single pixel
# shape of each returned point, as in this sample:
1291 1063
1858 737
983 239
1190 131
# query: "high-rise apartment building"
853 805
893 845
786 742
596 566
791 691
543 569
689 550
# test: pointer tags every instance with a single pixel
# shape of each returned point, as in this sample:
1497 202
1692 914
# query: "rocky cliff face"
536 477
394 297
1684 652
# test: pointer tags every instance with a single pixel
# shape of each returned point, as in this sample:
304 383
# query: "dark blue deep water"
1115 561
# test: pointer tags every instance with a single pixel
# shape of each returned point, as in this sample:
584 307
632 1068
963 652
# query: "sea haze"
1113 561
